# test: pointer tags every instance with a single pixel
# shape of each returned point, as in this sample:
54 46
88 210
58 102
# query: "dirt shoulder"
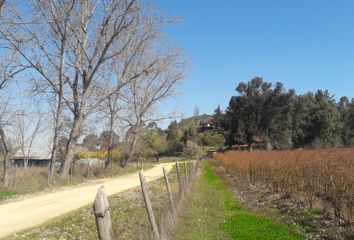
27 213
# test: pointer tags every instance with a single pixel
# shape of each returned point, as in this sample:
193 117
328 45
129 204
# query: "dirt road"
28 213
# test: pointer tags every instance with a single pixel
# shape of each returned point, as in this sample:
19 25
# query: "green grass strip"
8 194
212 213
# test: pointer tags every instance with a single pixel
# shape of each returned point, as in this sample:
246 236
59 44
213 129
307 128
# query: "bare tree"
8 71
143 95
124 70
28 127
95 43
111 110
101 45
5 120
41 46
75 46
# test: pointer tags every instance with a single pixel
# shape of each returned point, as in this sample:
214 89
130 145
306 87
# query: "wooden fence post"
179 177
190 170
102 216
148 206
186 172
169 190
195 167
14 180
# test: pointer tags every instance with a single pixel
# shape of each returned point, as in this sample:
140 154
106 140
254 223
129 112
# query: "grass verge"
212 213
9 194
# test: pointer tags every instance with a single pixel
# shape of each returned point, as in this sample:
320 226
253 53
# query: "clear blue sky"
306 44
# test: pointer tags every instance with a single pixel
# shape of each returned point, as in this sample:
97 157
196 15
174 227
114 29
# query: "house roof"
33 154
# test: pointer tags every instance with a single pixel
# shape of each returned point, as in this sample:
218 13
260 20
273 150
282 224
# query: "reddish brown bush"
325 175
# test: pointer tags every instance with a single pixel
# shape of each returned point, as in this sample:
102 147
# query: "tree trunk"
59 112
109 157
70 147
54 155
131 151
7 158
6 169
110 145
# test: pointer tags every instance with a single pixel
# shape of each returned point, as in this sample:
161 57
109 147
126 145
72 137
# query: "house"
206 126
257 142
34 158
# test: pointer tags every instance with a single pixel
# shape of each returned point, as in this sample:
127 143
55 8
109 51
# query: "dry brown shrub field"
321 178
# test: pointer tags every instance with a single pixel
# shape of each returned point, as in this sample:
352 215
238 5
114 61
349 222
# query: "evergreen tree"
260 110
173 138
344 110
219 119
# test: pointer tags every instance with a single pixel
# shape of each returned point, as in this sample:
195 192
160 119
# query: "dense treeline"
183 138
283 119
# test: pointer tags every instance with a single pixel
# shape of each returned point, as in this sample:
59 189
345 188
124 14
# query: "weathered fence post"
14 180
190 170
195 167
102 215
186 172
148 206
169 190
179 177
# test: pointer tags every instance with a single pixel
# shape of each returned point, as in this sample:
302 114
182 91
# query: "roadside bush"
102 154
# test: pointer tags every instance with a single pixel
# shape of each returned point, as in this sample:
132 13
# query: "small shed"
34 158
